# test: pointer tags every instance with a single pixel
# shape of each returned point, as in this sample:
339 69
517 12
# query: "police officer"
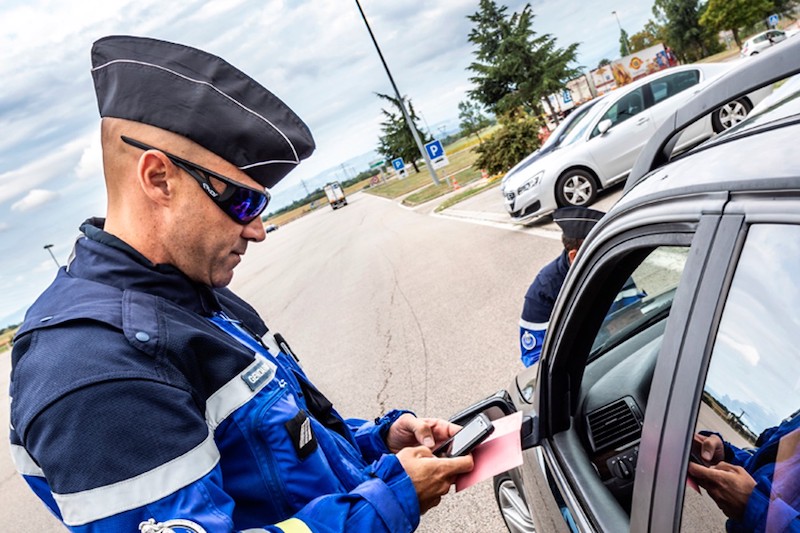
146 395
575 224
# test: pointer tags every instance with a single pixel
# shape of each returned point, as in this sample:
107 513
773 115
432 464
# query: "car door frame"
668 483
668 226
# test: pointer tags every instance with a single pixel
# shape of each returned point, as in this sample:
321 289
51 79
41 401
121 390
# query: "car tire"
512 505
730 114
576 188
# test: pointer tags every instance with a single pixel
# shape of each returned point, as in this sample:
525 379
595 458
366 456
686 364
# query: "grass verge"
463 195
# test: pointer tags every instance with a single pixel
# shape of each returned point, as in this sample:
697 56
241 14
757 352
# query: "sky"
315 55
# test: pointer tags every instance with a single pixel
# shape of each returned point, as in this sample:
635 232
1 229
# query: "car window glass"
617 379
673 84
646 297
626 107
568 125
751 397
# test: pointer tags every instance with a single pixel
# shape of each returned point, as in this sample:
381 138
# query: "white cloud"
35 198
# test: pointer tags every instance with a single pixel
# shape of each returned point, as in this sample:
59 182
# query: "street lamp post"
401 101
621 34
48 248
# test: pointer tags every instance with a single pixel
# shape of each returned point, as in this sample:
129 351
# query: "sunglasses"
240 202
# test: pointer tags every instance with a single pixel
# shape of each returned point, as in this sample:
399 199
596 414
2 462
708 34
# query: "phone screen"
463 441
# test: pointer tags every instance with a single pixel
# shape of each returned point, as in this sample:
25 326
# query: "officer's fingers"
460 465
424 433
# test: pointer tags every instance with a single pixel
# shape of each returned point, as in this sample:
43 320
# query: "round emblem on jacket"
528 341
171 526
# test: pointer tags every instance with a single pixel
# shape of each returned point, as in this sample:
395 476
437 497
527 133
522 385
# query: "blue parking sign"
773 20
398 163
434 149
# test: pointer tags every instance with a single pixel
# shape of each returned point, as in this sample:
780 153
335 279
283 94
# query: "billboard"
632 67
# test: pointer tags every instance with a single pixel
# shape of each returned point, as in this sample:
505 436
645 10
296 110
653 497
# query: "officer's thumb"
424 434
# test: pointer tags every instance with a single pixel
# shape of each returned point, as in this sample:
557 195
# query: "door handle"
642 121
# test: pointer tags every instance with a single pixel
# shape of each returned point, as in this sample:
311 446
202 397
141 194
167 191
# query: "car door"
737 377
631 126
597 365
667 94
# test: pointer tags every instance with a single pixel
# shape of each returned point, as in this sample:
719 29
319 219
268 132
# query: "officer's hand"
409 430
710 448
432 476
728 485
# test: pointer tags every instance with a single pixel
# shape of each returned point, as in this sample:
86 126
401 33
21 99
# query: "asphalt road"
386 307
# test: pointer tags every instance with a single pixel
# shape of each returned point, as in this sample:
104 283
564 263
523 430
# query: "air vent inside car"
614 423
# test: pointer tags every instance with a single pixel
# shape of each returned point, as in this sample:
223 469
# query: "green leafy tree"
650 35
735 14
397 139
603 62
515 67
472 118
624 47
518 137
681 20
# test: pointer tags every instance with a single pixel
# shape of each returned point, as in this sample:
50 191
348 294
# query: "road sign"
566 96
773 20
437 155
398 164
377 163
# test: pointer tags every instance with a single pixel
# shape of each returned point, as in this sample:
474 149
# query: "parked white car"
761 41
601 144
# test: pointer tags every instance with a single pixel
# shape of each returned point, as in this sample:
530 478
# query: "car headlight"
533 182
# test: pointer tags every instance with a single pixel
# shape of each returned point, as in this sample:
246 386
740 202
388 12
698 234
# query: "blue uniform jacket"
774 504
132 410
539 302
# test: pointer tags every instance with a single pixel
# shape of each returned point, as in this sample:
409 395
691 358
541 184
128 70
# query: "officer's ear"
571 255
155 173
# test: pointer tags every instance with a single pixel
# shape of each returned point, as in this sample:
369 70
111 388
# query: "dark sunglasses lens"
246 204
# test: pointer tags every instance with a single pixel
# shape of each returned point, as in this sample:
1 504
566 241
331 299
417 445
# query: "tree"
513 66
397 140
624 47
518 138
734 14
650 35
603 62
472 118
681 21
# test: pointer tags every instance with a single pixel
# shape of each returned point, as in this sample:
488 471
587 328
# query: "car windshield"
568 125
582 124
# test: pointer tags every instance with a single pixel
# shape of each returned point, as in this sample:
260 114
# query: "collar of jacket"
106 259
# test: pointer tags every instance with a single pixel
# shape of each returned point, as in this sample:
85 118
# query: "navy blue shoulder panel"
69 297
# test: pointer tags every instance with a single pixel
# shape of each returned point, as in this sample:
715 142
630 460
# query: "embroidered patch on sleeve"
302 435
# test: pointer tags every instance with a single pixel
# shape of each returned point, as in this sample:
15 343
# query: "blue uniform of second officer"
575 223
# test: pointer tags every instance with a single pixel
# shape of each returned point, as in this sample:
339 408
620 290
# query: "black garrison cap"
576 222
203 98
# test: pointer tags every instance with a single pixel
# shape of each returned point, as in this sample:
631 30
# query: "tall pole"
400 100
48 248
624 37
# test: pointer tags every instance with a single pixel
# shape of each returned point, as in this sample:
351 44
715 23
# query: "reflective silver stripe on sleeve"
627 293
24 463
234 394
533 326
79 508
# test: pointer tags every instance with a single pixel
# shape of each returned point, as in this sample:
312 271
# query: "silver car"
599 146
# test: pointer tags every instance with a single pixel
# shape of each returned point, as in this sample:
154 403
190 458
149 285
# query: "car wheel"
575 188
513 508
730 114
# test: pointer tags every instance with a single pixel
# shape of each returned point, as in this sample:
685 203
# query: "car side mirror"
497 406
604 126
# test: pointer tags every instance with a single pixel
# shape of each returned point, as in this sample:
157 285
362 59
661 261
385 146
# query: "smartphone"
473 433
695 458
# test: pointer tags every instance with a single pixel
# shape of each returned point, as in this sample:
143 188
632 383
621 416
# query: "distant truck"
335 195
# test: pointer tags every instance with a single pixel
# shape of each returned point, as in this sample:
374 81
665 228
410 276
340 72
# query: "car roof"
767 68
